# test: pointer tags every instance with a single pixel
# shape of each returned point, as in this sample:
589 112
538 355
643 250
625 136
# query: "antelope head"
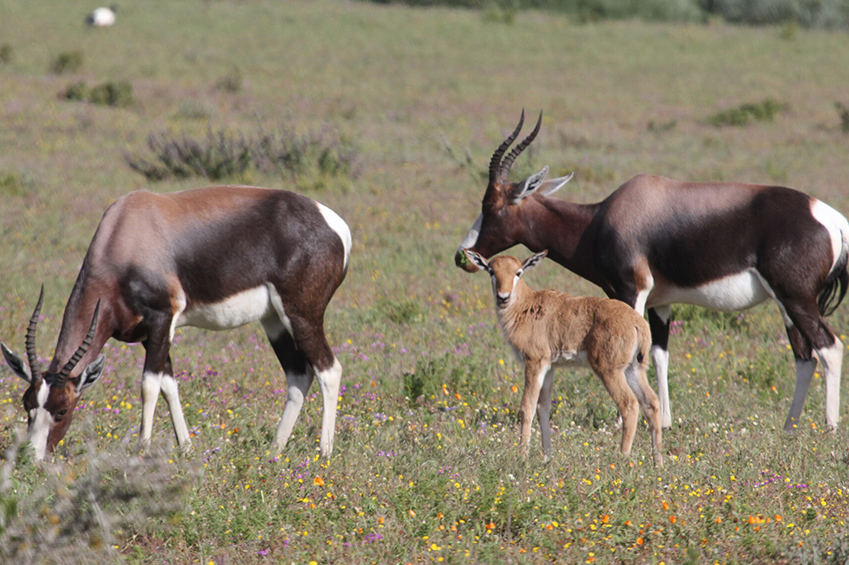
505 272
50 399
498 226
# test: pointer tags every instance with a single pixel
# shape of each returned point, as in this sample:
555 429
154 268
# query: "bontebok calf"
547 329
214 258
657 241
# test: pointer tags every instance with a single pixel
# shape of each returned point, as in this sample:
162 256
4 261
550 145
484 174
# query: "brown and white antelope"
656 242
214 258
548 329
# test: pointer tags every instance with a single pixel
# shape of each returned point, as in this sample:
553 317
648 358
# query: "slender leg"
299 376
635 375
615 382
544 412
832 361
807 332
158 376
535 371
659 318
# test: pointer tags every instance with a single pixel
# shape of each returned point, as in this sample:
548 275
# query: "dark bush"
763 111
222 154
116 94
6 53
68 62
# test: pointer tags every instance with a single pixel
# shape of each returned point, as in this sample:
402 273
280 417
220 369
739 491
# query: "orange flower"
665 506
380 519
605 519
639 541
514 388
412 513
672 519
490 526
318 481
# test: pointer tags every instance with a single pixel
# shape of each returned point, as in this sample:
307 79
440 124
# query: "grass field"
438 478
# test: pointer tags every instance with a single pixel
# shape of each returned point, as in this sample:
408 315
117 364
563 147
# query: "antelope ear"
534 260
553 185
16 364
528 186
90 374
477 260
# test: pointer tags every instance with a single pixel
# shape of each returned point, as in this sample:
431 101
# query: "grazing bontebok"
656 242
547 329
214 258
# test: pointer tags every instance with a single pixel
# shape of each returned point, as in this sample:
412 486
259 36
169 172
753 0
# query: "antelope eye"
60 415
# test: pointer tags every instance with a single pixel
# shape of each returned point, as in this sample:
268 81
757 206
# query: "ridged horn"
32 352
495 162
62 377
508 161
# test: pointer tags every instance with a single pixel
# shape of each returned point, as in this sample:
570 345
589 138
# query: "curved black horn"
32 354
495 162
62 377
508 161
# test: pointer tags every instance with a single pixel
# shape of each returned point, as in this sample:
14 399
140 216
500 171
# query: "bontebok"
656 242
214 258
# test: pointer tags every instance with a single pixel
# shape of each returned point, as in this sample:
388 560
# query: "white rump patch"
472 237
338 225
835 223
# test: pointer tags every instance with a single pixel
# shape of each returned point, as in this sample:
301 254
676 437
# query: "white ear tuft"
553 185
528 186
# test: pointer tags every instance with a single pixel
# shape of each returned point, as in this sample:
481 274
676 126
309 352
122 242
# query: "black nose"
502 300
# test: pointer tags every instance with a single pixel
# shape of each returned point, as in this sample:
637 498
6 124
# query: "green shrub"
116 94
231 82
77 91
742 115
12 184
843 112
6 53
68 62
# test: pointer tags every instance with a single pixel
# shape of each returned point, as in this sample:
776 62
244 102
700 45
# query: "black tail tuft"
836 285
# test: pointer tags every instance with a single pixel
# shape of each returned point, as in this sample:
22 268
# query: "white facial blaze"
472 237
40 423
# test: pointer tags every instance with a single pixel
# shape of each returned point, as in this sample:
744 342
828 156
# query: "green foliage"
231 82
403 312
7 53
115 94
223 154
13 183
67 62
843 113
742 115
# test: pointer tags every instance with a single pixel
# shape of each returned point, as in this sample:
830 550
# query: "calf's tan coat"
547 329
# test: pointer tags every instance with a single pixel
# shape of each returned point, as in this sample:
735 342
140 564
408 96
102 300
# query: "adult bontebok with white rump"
656 242
214 258
549 329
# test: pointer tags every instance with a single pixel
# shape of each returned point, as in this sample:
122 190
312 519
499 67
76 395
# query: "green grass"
437 476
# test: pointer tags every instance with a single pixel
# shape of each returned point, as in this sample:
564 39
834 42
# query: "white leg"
804 373
172 397
298 386
832 360
660 358
329 381
151 383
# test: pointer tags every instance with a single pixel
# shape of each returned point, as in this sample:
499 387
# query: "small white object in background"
102 17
